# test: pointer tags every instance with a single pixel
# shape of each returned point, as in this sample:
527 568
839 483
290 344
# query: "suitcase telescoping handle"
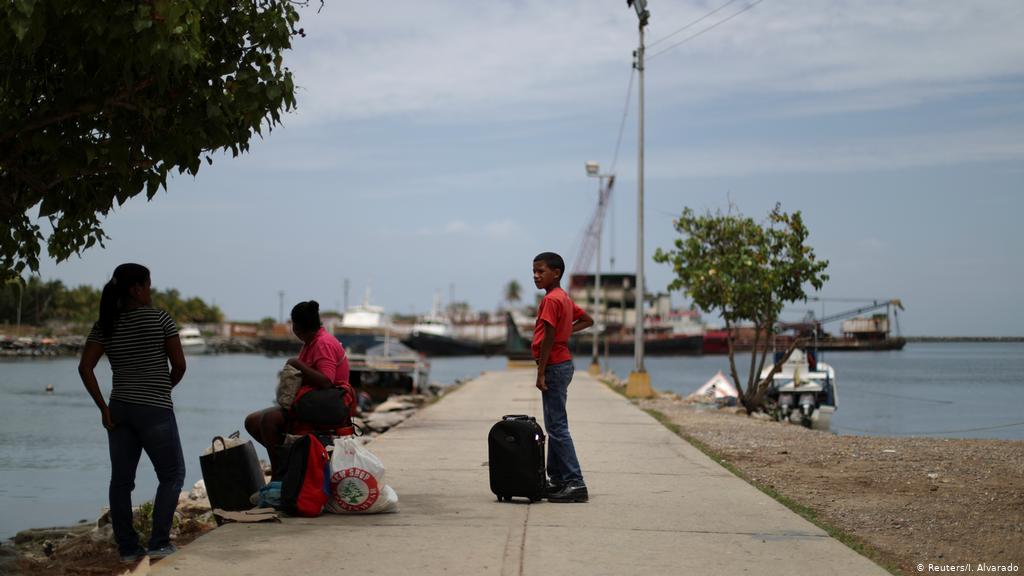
517 417
524 418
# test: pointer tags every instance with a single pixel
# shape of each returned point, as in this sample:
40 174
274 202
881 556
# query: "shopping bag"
231 472
357 481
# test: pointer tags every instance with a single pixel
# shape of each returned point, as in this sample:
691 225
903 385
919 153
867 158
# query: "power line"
708 29
622 123
691 24
615 162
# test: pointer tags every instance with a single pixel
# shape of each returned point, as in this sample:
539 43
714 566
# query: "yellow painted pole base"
639 385
595 368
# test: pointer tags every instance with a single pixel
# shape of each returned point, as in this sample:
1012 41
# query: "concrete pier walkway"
657 506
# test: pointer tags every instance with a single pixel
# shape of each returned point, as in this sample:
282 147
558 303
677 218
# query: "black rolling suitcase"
515 448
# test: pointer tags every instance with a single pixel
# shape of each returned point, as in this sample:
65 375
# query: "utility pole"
280 306
639 383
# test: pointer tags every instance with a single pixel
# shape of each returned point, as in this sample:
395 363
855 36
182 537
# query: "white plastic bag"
357 481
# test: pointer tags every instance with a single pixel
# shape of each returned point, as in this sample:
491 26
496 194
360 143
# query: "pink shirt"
327 356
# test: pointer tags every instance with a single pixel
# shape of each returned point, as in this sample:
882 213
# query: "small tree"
745 271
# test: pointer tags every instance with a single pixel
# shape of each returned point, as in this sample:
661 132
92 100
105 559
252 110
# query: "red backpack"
306 484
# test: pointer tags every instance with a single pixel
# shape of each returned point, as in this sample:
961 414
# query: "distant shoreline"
919 339
39 346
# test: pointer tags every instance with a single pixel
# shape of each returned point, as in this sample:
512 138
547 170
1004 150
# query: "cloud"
849 155
450 57
458 61
871 244
495 229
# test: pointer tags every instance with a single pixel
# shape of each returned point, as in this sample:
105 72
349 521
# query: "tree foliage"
745 271
46 302
100 101
513 291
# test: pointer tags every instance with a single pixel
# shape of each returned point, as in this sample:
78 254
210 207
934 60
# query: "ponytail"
115 293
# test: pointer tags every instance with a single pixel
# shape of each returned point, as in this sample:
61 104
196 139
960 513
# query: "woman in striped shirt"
139 341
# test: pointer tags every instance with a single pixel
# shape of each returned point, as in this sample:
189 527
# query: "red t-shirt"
558 310
327 356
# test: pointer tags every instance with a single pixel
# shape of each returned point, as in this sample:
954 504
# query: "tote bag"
232 474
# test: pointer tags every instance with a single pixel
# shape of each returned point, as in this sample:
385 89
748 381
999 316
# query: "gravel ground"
910 501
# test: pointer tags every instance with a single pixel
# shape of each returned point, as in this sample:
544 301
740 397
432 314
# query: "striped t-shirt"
138 356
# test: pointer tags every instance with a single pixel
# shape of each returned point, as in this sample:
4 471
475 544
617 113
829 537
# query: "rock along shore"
88 547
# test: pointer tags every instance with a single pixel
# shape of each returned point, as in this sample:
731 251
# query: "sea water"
947 390
54 464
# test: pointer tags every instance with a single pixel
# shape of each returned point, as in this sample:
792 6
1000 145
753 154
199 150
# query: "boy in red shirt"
557 318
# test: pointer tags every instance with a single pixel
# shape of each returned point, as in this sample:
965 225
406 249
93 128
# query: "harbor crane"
892 307
592 233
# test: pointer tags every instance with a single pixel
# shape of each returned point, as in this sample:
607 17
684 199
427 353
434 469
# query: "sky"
437 147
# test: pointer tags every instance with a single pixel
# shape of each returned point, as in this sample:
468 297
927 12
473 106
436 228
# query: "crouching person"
324 401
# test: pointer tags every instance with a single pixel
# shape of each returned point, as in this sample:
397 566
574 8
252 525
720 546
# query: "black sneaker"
551 488
162 552
571 492
135 556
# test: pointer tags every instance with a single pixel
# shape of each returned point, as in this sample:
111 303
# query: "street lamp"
639 383
594 171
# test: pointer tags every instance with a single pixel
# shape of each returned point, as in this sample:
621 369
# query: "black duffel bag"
322 407
231 475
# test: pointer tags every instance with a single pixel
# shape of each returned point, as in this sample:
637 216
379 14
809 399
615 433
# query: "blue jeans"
138 427
563 467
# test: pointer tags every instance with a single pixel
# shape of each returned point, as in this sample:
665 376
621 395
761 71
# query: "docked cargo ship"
678 332
857 333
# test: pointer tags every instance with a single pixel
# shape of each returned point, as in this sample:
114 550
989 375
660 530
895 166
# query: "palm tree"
513 291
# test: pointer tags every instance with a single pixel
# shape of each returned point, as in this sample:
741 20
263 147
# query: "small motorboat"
192 341
803 390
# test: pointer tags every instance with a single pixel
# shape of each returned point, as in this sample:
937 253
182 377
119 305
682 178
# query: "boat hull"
668 345
359 340
437 345
194 348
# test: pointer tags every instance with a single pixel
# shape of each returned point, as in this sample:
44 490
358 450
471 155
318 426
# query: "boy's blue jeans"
136 428
563 467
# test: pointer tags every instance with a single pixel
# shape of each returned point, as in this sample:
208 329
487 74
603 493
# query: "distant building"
239 330
618 300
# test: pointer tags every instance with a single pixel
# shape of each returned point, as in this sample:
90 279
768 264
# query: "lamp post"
594 171
639 383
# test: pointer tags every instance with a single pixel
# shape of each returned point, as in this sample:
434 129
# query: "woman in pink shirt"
324 401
